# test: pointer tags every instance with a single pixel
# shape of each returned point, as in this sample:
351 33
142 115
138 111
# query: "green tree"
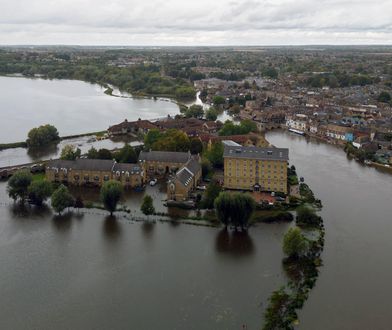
147 206
384 97
185 92
212 114
243 206
151 137
42 136
39 192
218 100
70 152
172 140
206 168
196 146
212 192
222 205
294 243
126 155
307 217
195 111
61 199
18 185
92 153
215 154
105 154
111 193
235 209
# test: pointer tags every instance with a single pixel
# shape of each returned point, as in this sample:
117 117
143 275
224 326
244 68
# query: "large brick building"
162 162
94 172
185 180
256 169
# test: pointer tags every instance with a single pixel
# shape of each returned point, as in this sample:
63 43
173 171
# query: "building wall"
157 167
244 174
79 177
182 192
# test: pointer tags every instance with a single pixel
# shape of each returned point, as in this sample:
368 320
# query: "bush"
307 217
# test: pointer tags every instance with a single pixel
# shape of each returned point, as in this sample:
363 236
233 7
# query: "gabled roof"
188 171
164 156
83 164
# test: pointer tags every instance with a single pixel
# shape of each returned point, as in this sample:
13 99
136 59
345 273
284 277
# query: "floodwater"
354 288
90 271
74 107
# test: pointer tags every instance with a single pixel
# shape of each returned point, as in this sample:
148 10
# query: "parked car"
153 182
201 187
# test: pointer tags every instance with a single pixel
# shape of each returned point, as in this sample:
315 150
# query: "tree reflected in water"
43 152
63 222
236 243
111 228
148 229
25 211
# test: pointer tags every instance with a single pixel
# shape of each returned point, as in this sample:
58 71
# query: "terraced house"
185 181
94 172
255 169
162 162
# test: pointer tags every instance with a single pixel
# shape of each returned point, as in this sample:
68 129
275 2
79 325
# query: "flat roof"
256 153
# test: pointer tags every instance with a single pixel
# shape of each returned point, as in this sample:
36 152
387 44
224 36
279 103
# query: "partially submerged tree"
147 206
235 209
111 193
42 136
18 185
294 243
61 199
39 192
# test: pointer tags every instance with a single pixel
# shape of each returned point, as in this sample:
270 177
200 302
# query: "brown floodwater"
354 288
90 271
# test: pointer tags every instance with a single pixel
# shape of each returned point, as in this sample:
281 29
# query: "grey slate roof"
83 164
186 173
126 167
184 176
164 156
256 153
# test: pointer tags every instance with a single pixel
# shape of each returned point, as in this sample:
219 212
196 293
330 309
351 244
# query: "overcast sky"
196 22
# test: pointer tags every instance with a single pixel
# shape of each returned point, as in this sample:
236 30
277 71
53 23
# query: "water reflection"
63 222
236 243
23 211
43 152
148 229
111 228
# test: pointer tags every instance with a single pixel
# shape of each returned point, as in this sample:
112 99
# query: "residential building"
94 172
256 169
185 180
131 127
162 162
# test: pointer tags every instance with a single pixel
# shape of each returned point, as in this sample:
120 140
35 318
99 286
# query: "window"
86 178
96 178
106 178
76 177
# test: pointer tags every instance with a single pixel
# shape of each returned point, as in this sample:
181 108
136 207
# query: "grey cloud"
195 22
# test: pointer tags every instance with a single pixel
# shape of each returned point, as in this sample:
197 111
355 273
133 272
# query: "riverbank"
339 145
